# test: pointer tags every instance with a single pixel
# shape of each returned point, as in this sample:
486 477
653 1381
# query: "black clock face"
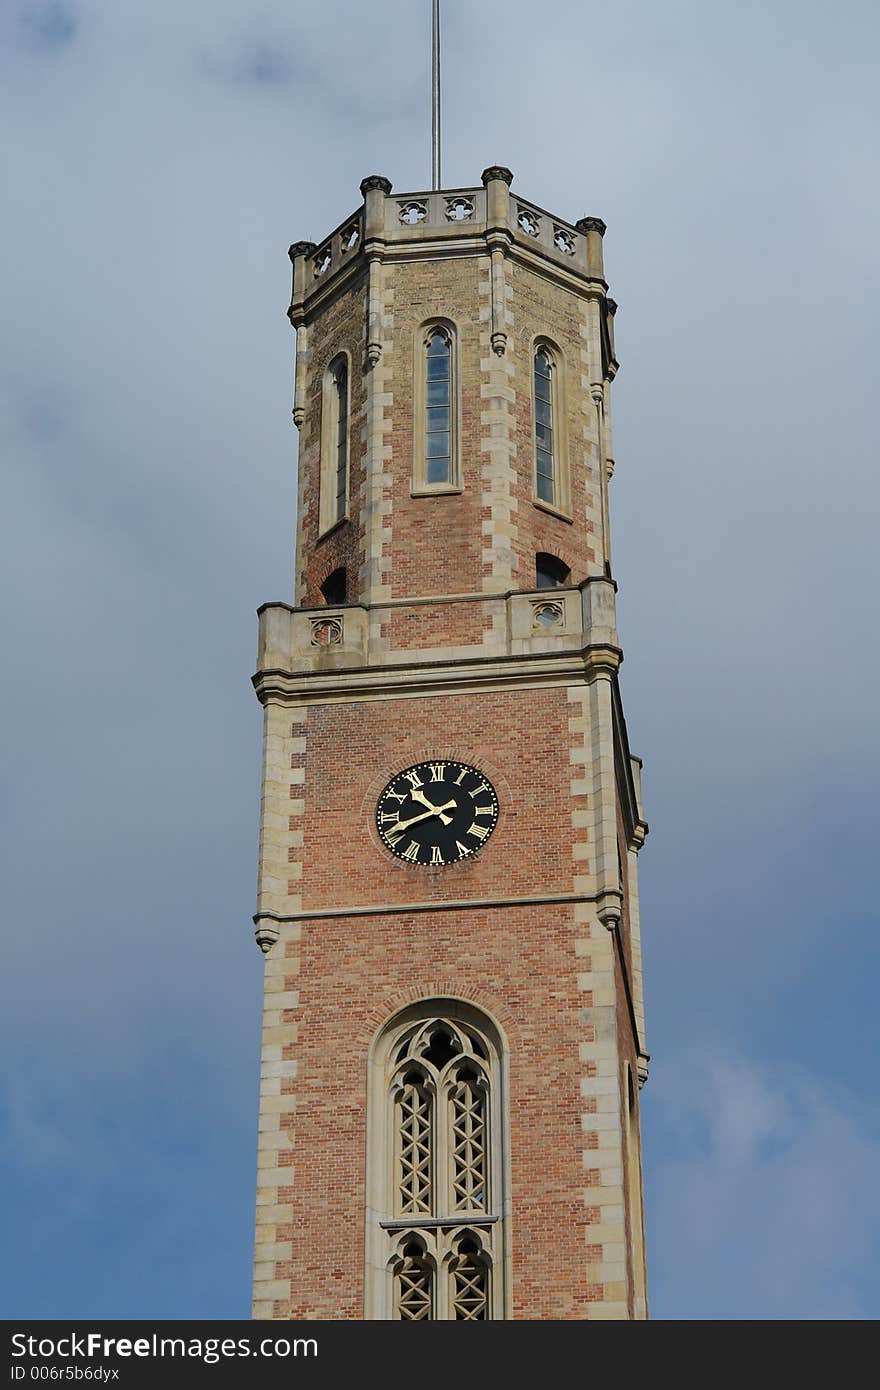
437 813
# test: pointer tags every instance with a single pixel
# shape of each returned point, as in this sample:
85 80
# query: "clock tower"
453 1033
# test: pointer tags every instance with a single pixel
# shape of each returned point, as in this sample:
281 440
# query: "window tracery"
436 1168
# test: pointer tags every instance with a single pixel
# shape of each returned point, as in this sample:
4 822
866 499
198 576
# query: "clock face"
437 813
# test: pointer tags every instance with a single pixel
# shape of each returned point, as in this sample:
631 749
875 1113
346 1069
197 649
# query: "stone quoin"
453 1028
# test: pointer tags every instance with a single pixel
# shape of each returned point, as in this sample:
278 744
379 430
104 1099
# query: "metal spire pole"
435 97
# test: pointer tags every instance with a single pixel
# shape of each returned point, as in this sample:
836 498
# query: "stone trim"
383 1233
375 183
498 438
280 871
561 505
496 171
376 503
605 1245
278 1069
590 359
462 675
419 485
447 598
437 905
279 865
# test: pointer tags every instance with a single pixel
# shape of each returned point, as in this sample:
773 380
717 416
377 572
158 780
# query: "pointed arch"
335 431
436 408
437 1186
550 483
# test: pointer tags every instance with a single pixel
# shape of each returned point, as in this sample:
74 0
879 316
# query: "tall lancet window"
545 431
340 386
435 433
436 1171
438 413
334 445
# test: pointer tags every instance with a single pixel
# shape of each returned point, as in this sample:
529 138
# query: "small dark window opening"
549 571
335 587
441 1049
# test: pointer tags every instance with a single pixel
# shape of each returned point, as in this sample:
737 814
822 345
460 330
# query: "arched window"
545 441
334 445
438 408
436 1175
335 587
435 462
550 571
552 488
413 1283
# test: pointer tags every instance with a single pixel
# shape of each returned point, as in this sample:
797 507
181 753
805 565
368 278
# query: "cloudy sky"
158 159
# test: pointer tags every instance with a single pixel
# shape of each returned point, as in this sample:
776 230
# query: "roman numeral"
461 776
484 810
397 796
481 831
462 849
438 771
436 856
390 817
411 852
414 779
483 787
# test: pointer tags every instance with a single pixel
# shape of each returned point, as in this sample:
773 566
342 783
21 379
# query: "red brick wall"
517 964
340 327
520 738
437 542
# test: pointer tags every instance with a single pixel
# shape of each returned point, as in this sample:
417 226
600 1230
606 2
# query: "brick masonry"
562 980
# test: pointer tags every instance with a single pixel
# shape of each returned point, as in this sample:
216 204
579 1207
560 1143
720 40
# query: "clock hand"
402 825
418 795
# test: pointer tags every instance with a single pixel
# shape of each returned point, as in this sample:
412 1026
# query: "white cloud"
762 1202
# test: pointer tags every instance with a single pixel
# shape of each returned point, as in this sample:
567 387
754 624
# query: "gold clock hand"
402 825
418 795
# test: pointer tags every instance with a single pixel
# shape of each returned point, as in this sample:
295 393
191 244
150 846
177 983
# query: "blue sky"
158 159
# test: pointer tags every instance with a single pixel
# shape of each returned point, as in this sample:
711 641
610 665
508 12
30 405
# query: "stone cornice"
417 600
579 282
435 905
463 675
568 253
444 248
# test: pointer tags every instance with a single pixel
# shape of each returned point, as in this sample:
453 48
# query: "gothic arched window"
551 481
333 504
545 430
436 1176
435 461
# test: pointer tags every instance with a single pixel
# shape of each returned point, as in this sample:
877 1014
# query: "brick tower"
453 1033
